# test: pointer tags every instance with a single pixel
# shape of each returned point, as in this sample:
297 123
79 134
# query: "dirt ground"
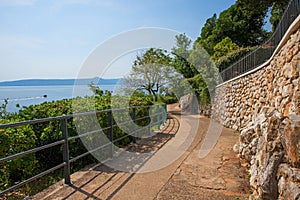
219 175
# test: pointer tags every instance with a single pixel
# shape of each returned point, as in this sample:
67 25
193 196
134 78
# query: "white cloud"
59 4
11 41
17 2
100 3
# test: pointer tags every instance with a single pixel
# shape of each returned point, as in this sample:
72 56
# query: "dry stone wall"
264 106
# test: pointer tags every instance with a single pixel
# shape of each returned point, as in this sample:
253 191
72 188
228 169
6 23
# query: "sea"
32 95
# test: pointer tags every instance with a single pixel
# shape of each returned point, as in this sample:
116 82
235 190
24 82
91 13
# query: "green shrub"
225 61
13 141
168 99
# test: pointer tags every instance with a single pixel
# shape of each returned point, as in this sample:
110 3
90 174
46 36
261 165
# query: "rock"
291 69
235 127
264 173
265 107
291 141
289 56
262 100
225 158
288 71
289 181
236 148
286 110
287 90
189 104
295 83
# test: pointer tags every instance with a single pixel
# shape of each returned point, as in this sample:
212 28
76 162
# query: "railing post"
111 137
149 121
165 113
159 111
134 124
66 151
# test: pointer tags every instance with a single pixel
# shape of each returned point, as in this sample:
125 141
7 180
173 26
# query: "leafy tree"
200 87
277 11
233 56
183 44
223 48
202 61
181 53
241 23
277 8
196 66
181 64
16 140
150 71
207 39
3 111
96 89
98 92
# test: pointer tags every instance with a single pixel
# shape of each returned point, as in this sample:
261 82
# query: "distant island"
51 82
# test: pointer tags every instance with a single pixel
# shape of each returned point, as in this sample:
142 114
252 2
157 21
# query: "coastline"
32 95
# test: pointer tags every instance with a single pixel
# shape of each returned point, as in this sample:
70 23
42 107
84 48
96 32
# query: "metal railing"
157 118
265 51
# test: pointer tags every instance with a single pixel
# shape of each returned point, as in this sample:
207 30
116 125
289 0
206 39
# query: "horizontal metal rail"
88 133
24 153
36 121
32 179
160 115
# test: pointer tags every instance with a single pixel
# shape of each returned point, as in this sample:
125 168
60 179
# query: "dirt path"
217 176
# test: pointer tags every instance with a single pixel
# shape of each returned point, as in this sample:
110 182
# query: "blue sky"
52 38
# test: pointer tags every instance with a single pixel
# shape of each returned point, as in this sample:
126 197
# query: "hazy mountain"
50 82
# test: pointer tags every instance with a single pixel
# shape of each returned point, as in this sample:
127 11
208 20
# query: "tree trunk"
154 95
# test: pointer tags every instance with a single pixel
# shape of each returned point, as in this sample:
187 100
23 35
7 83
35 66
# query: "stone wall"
264 106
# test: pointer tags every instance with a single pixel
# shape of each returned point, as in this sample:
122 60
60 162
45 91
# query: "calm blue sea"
32 95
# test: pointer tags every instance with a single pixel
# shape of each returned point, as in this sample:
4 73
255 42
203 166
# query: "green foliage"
183 44
242 23
262 53
97 91
238 30
277 12
183 66
12 141
201 89
207 39
227 60
201 60
223 48
141 101
3 111
277 8
196 66
15 140
150 71
169 99
181 54
47 132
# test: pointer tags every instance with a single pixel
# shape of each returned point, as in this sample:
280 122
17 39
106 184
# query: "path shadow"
116 179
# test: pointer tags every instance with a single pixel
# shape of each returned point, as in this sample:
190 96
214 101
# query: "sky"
52 38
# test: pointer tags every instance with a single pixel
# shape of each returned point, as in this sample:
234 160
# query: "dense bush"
15 140
12 141
225 61
169 99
